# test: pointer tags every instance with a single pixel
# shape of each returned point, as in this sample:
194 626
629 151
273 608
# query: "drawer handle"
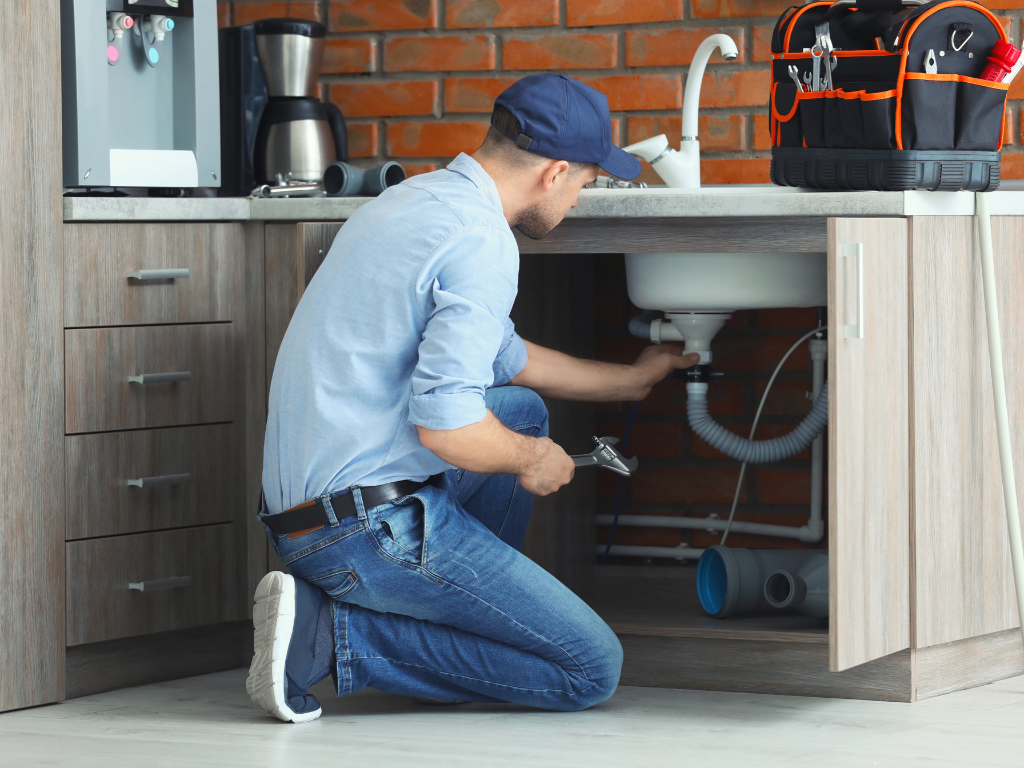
160 378
151 586
158 274
152 482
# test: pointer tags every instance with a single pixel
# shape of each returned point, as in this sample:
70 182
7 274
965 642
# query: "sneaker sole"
273 618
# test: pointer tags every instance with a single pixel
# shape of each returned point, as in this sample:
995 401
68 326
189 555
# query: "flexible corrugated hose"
753 451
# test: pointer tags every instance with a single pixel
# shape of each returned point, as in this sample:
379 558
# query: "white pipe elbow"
813 532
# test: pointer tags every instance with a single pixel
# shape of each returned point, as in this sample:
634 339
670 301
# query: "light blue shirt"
405 323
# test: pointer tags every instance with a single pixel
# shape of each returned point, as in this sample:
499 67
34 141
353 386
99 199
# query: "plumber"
407 437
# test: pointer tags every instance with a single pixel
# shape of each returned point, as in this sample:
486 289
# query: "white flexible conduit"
753 451
995 354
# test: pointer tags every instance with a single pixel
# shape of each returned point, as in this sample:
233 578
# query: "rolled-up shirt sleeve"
469 283
512 356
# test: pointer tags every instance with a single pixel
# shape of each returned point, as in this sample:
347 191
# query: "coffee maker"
298 135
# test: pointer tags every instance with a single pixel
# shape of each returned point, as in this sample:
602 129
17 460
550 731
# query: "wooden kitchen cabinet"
921 589
157 473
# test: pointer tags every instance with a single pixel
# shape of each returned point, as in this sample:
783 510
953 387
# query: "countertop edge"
594 204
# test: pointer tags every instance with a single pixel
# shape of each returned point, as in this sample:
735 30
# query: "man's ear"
552 170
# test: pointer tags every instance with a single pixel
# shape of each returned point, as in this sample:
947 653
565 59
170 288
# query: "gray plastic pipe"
731 582
343 180
995 354
753 451
804 588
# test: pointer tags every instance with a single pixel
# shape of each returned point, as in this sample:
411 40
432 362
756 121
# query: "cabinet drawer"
98 258
98 362
102 606
187 477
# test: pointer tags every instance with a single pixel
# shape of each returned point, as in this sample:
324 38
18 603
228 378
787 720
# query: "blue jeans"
433 598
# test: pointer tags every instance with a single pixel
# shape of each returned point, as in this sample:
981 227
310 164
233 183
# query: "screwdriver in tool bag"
1004 62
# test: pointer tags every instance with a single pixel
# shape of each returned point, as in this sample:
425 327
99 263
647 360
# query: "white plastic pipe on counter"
995 354
673 553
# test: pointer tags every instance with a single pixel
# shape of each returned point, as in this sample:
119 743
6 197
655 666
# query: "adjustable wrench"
605 455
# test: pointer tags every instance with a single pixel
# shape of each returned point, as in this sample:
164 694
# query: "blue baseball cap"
563 119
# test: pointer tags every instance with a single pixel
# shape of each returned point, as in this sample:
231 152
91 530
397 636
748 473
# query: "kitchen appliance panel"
187 577
189 377
152 479
143 89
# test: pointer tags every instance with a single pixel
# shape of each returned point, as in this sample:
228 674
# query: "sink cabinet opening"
646 592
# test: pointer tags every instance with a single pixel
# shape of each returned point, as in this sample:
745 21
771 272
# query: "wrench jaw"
606 455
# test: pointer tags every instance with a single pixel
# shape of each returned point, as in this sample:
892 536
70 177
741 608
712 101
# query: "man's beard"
537 220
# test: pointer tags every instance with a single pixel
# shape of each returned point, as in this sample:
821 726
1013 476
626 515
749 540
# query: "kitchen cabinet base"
669 642
107 666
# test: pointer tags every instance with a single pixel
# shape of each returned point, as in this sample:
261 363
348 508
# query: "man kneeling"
406 437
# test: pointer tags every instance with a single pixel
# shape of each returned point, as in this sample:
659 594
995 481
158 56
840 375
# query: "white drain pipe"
671 553
995 354
706 524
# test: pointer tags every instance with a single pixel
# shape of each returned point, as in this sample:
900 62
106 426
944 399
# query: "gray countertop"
655 202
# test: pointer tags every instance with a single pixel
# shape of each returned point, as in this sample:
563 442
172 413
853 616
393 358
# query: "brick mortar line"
483 74
559 30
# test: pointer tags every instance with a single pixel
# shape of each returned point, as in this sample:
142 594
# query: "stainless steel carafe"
299 135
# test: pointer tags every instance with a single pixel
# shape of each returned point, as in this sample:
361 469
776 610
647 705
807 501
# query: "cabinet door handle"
174 582
158 274
152 482
160 378
850 251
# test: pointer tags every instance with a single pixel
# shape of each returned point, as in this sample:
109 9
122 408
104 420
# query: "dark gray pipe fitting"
344 180
804 589
733 581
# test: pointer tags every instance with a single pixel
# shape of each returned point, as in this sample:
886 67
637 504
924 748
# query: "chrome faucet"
682 168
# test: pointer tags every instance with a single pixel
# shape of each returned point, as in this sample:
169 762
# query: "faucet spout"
682 169
691 96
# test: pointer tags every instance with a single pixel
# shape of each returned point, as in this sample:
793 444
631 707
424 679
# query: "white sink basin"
724 282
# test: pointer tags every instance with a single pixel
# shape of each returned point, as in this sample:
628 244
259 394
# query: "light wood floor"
209 721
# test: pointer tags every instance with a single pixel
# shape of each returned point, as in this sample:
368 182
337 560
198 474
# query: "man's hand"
654 364
552 469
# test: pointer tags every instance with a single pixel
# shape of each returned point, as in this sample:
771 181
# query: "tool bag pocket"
785 118
951 112
840 119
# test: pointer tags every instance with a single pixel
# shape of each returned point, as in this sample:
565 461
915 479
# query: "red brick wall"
417 78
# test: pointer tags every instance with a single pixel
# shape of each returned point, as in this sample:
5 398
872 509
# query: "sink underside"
724 282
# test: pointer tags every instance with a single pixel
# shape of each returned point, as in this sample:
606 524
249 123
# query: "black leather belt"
312 515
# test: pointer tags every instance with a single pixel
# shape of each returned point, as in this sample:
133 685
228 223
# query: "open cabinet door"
869 444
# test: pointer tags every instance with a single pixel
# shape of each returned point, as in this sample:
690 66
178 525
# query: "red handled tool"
1000 62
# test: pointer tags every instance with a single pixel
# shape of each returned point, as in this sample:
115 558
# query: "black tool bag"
888 123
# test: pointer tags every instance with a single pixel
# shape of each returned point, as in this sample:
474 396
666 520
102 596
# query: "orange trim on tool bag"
862 95
842 54
958 79
772 122
905 52
786 118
